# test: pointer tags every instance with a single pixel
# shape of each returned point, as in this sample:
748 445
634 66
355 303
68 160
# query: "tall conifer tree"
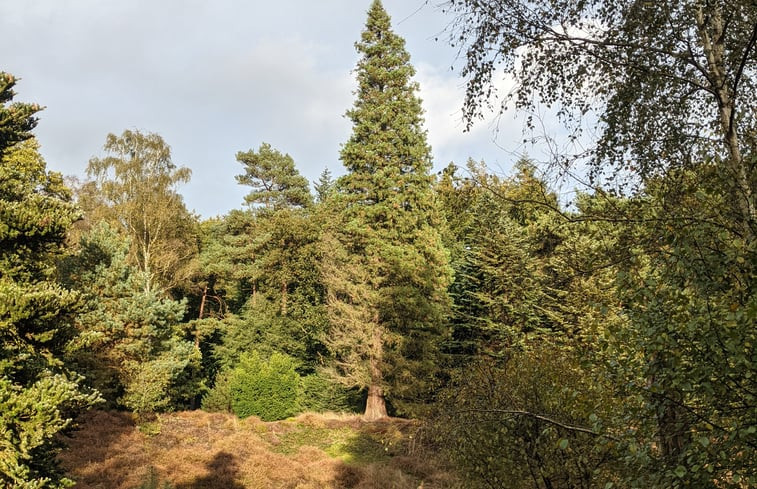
388 272
39 396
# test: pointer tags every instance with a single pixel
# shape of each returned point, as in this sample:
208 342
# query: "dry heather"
198 450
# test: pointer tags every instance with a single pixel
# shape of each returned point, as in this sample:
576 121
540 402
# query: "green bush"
267 389
316 393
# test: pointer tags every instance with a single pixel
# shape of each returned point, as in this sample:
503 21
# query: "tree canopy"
670 82
134 188
17 119
275 181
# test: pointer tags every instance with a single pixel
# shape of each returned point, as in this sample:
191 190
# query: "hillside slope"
198 450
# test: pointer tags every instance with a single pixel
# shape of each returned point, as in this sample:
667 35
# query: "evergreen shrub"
267 389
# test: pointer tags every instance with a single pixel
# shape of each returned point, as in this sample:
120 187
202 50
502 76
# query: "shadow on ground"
223 471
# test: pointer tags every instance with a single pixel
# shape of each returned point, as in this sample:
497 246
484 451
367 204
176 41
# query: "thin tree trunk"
202 302
713 45
672 423
202 311
284 299
673 430
146 268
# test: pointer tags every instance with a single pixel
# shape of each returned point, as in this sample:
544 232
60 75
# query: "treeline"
609 342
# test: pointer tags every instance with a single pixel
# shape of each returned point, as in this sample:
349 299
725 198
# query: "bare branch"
519 412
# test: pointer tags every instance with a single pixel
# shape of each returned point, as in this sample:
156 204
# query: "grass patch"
291 441
358 449
149 428
348 444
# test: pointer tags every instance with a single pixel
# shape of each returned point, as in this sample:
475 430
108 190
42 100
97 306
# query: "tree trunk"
673 429
673 425
146 268
375 406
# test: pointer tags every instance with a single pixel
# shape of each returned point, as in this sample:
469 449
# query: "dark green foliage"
673 85
317 393
286 274
324 186
528 380
320 393
38 396
32 417
276 272
388 143
218 399
689 350
226 261
654 294
263 266
239 335
16 118
506 287
267 389
531 421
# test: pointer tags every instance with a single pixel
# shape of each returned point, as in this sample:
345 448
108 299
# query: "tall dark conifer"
388 272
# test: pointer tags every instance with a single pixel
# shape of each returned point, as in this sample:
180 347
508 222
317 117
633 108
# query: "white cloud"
493 139
216 77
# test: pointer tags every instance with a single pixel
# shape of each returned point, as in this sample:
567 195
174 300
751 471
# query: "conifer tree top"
387 115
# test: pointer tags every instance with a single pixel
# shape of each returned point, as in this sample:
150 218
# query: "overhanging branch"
519 412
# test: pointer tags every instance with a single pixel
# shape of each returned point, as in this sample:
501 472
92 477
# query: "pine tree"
38 395
280 262
388 272
275 181
324 186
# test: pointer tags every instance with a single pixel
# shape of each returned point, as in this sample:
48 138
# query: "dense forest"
603 342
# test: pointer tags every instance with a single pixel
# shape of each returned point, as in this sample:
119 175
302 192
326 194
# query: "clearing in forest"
199 450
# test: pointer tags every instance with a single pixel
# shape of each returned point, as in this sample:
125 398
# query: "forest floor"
199 450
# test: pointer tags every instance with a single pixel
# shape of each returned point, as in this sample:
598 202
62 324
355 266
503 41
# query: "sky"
214 77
